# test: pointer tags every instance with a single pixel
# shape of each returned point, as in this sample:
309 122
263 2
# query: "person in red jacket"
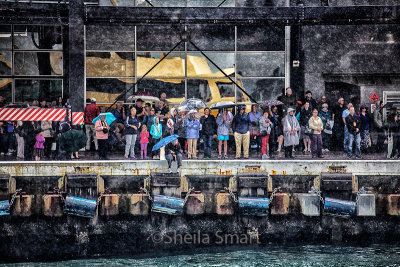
91 112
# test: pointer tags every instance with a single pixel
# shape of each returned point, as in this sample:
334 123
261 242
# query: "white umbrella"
223 104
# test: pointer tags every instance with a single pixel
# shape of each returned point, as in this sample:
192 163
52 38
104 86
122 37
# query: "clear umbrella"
192 103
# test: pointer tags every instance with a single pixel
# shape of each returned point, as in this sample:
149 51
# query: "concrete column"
76 55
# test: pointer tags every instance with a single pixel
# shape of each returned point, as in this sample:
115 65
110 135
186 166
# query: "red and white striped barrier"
38 114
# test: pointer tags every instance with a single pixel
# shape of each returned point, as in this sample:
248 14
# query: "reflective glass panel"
38 63
174 88
260 89
258 3
105 90
159 38
211 90
116 2
29 90
5 89
161 3
5 37
211 3
260 38
261 64
110 64
212 37
114 38
32 37
5 63
199 66
171 66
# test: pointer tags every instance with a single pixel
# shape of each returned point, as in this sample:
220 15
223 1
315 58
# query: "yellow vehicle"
197 67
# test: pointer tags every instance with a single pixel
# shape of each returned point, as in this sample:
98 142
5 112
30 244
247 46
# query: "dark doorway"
350 93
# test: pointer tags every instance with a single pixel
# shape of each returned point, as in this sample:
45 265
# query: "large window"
31 62
253 57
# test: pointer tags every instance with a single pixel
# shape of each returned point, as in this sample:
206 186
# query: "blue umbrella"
165 141
109 118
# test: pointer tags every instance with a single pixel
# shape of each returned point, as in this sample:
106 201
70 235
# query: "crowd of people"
296 124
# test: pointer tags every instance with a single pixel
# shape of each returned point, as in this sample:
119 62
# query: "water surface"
271 255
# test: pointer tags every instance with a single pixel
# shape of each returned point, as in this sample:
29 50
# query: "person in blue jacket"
241 132
156 134
193 128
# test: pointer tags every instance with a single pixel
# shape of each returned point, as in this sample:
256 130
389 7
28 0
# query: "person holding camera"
102 128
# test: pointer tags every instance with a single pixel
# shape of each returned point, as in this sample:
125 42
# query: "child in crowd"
39 146
156 134
144 140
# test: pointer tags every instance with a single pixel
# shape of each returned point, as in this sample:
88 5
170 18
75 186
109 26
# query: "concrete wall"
197 167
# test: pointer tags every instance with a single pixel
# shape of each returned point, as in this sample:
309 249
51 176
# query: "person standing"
364 129
315 123
208 130
353 124
224 119
39 146
265 130
140 110
28 132
193 127
101 127
394 135
305 115
254 115
119 114
346 113
326 118
338 126
379 127
181 120
48 135
289 100
20 140
156 134
171 122
311 100
161 111
132 126
91 112
144 140
291 129
241 131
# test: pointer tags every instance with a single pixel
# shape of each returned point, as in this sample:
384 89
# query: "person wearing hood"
241 129
379 127
291 128
208 129
192 132
156 134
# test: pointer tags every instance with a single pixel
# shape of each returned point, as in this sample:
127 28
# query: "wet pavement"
254 155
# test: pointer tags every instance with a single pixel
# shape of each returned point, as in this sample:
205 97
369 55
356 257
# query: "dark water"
312 255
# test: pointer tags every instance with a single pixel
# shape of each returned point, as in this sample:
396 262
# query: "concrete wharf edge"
198 167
